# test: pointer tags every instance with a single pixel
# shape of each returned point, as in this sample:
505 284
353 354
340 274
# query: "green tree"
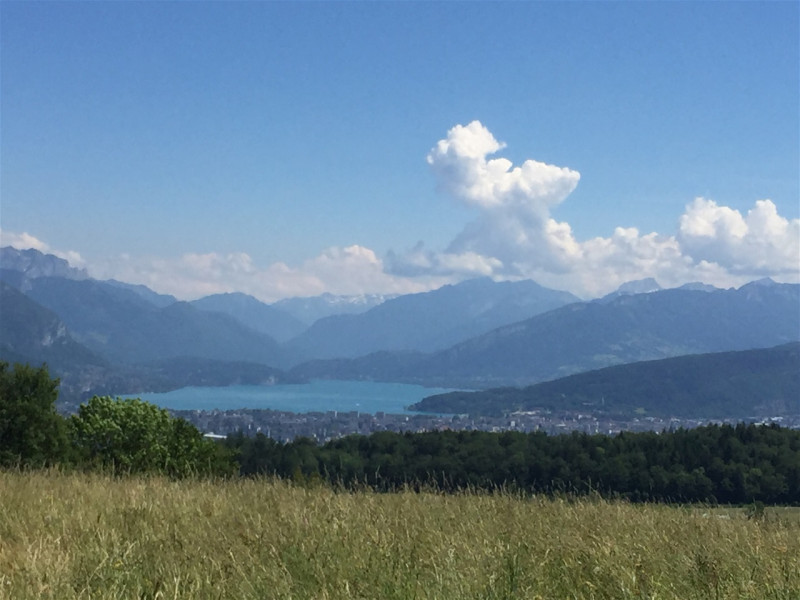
32 433
132 436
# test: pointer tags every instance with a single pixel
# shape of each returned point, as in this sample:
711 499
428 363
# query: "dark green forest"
716 463
738 464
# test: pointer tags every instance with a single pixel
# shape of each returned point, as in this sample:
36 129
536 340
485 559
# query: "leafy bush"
133 436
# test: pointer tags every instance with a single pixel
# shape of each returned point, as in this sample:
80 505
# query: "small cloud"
419 262
461 165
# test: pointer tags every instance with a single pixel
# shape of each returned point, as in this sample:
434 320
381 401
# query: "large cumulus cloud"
514 234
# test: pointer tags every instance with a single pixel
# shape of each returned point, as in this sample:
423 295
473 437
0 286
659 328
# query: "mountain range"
429 321
590 335
476 334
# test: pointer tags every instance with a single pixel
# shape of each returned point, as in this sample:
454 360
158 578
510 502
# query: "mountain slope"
729 384
154 298
125 327
254 314
31 333
429 321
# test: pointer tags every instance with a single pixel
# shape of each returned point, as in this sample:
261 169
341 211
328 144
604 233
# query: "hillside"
628 329
722 385
125 327
31 333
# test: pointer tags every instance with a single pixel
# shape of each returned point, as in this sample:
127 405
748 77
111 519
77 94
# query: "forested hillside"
719 385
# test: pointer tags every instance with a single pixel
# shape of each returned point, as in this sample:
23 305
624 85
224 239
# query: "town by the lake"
285 426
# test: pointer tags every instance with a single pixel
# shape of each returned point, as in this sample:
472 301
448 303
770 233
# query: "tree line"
715 463
737 464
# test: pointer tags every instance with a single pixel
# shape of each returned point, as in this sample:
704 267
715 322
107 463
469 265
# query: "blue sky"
289 148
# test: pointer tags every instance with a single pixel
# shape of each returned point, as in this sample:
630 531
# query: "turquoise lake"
316 396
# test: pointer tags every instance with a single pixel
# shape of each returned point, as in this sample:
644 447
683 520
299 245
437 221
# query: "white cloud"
461 164
514 234
347 271
760 243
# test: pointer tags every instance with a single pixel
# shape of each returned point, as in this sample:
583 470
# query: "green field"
90 536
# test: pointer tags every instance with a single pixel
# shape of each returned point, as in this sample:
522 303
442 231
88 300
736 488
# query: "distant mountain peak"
698 286
312 308
34 264
639 286
763 282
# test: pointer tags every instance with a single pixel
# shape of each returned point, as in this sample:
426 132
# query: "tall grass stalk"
87 536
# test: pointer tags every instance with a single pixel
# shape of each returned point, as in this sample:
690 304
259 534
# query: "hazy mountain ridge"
131 325
33 334
33 264
312 308
585 336
278 320
124 327
154 298
429 321
253 313
630 328
742 384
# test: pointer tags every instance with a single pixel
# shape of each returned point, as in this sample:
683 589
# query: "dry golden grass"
68 536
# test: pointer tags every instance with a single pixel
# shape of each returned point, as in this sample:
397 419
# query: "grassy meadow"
68 536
